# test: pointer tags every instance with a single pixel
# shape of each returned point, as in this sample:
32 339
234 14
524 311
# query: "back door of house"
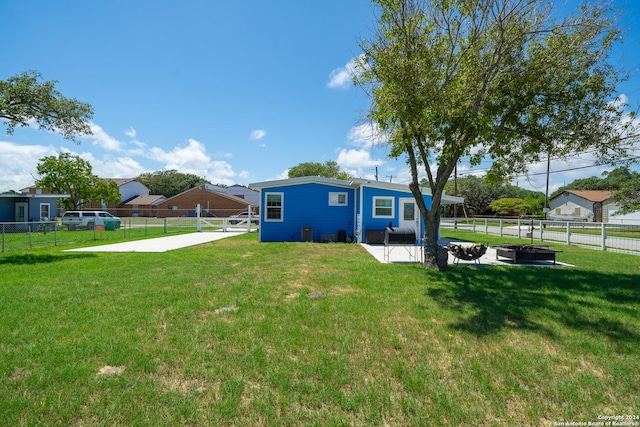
21 211
409 215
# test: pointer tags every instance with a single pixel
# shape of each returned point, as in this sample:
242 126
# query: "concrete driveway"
162 244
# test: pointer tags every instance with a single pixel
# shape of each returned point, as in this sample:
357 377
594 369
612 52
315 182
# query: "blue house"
323 209
29 206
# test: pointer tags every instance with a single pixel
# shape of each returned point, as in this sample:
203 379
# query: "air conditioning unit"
307 234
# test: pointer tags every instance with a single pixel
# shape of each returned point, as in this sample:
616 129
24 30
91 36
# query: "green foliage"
502 78
72 175
510 206
328 169
171 182
24 97
473 346
479 193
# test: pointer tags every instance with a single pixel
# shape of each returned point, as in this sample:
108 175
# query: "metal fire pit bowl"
525 254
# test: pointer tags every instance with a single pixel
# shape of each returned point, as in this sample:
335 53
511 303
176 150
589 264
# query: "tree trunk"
435 256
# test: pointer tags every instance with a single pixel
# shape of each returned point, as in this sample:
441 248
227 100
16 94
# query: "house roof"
591 195
34 196
217 193
354 183
300 180
146 200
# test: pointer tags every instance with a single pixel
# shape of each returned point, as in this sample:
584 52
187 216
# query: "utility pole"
546 191
376 173
455 193
391 177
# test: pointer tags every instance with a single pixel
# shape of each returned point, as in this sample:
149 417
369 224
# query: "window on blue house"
274 206
383 207
337 199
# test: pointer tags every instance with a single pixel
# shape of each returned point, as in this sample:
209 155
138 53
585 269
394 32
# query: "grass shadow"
489 300
32 259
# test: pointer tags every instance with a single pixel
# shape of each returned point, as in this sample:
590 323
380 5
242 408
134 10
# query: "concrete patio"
413 254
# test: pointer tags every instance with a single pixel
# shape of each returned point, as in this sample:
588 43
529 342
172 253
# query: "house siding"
212 204
369 222
307 205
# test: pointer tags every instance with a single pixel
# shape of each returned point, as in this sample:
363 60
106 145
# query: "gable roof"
205 187
591 195
146 200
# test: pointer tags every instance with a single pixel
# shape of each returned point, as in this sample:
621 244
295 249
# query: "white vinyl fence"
607 237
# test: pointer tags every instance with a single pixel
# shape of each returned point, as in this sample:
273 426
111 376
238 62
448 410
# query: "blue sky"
235 92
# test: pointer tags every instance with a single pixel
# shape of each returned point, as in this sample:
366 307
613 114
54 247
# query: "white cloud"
18 164
131 132
342 77
366 135
356 159
257 134
193 159
103 139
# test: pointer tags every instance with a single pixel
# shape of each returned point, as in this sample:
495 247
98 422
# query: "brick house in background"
214 201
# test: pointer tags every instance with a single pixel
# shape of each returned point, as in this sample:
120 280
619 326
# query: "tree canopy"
509 79
328 169
70 174
479 194
25 98
170 182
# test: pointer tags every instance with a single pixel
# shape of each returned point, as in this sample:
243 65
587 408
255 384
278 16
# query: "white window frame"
267 207
48 209
393 206
334 198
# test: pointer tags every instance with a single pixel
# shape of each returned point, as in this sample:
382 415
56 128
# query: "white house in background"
578 205
588 205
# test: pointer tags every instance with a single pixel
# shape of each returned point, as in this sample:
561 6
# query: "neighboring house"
212 201
146 206
579 205
243 192
324 209
32 204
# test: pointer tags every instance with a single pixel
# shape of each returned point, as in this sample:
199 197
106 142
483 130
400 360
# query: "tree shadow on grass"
490 300
30 259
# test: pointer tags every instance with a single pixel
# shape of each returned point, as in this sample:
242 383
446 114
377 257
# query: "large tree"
72 175
328 169
507 79
170 182
25 98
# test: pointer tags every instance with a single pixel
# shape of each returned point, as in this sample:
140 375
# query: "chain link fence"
607 237
16 236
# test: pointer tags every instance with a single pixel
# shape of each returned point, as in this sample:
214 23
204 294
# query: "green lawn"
224 334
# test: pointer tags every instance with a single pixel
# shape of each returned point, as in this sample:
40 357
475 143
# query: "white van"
89 220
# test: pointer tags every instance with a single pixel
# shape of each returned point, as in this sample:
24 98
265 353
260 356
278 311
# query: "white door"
21 211
409 215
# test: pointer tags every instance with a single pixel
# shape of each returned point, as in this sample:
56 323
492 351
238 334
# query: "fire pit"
526 254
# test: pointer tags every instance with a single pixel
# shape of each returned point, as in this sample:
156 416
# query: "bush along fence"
594 235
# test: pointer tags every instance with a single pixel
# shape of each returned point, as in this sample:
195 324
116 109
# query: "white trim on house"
375 207
267 208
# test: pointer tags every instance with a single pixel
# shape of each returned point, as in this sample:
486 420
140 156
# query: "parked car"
89 220
242 217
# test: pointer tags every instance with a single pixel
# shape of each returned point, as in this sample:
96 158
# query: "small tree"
70 174
500 78
511 206
24 98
